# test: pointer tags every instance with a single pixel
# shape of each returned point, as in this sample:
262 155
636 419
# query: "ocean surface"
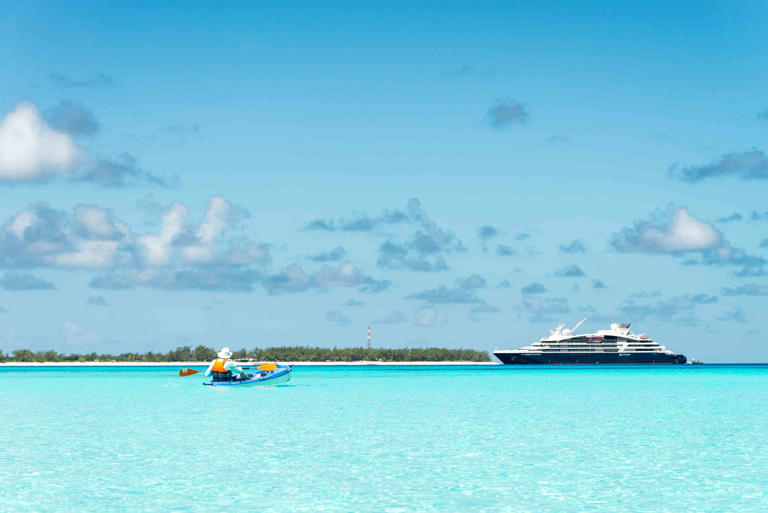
387 439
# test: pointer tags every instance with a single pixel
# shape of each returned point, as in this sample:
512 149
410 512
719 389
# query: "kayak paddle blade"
267 367
187 372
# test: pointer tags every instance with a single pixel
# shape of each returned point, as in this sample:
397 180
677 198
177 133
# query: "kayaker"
224 369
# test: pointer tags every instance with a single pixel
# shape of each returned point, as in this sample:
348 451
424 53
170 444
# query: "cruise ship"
615 345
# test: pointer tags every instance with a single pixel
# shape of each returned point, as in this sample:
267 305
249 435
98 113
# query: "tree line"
277 354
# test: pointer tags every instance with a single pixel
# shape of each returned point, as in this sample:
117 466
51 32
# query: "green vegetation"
270 354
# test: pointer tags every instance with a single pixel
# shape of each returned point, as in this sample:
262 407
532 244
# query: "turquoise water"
373 439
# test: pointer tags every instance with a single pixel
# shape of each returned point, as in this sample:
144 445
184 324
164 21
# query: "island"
292 354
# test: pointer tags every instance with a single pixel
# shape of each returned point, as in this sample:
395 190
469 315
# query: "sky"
453 174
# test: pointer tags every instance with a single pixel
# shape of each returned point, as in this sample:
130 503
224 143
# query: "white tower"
369 337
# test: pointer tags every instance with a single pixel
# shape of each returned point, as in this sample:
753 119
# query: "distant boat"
616 345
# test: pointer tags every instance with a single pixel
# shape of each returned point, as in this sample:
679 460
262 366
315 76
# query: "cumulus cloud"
678 309
424 249
94 222
123 171
338 318
506 112
180 256
504 250
221 278
570 271
30 150
444 294
99 79
575 246
320 225
463 292
487 232
72 118
294 279
597 284
745 165
334 255
97 301
677 232
542 310
735 216
681 232
749 289
33 150
361 222
14 280
395 317
534 288
345 275
44 237
734 315
473 281
372 286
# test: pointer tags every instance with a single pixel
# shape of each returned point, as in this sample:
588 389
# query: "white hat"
225 353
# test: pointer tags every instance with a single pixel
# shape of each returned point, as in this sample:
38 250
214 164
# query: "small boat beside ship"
616 345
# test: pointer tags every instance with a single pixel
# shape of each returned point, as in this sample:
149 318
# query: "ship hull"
588 358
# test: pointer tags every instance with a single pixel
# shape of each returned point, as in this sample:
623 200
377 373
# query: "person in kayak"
224 369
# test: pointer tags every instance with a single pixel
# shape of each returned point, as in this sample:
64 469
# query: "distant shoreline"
205 364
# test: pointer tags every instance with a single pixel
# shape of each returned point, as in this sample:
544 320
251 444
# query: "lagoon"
387 438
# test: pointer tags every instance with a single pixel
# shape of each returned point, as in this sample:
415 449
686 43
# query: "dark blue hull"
589 358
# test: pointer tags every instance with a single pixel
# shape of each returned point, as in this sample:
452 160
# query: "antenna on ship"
369 337
579 324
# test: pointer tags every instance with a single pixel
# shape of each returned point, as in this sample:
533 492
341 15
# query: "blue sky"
454 175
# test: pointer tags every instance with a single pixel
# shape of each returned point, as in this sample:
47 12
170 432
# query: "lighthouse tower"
369 337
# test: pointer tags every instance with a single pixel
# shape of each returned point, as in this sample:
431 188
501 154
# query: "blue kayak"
282 374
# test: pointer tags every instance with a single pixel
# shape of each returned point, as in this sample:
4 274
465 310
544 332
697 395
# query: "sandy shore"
205 364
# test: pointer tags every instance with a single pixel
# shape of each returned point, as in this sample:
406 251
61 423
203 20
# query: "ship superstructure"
616 345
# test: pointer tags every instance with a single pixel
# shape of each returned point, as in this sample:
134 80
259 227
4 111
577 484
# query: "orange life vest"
218 365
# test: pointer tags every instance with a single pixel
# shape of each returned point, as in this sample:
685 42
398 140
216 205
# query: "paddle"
266 367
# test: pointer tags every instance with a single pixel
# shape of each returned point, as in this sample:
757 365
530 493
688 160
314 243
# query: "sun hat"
225 353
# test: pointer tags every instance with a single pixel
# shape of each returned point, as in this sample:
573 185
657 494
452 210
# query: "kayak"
281 374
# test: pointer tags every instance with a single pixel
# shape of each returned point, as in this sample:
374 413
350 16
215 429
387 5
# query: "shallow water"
383 439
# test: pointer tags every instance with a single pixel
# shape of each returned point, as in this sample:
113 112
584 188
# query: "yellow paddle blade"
267 367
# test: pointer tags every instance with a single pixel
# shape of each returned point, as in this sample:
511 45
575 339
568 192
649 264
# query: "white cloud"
158 249
88 254
346 275
97 223
208 232
682 232
215 220
30 149
177 257
21 222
